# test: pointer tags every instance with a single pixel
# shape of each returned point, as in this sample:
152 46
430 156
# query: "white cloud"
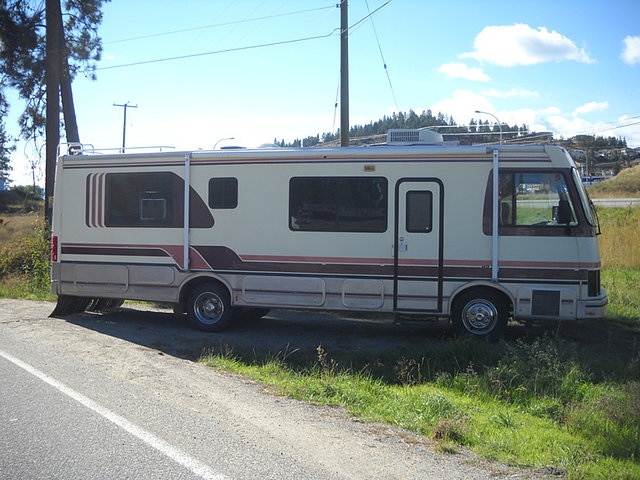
569 127
462 106
591 107
520 44
460 70
514 92
631 51
631 133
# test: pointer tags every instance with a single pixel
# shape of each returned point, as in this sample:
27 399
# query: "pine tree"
22 58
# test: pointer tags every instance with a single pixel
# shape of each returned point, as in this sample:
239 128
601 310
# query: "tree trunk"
68 108
52 82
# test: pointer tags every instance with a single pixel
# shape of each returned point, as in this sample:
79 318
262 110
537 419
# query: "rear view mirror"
564 212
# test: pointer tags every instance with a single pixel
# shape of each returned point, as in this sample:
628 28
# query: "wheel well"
194 282
482 288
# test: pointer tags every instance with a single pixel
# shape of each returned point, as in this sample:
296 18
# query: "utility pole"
344 74
124 123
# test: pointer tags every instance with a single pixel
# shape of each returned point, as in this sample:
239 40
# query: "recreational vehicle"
479 234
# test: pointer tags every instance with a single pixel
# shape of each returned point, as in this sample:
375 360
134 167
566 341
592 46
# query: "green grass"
623 289
544 403
17 287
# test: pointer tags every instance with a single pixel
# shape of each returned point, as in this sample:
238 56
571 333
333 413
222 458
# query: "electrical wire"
335 108
227 50
236 22
368 16
237 49
384 63
608 128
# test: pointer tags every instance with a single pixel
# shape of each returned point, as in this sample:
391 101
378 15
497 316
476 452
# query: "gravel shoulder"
138 362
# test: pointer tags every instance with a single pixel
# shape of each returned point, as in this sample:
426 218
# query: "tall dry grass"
620 239
15 227
624 184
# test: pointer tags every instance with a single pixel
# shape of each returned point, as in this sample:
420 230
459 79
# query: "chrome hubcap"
209 308
479 316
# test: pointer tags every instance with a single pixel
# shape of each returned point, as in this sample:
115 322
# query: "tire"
480 313
105 305
69 304
209 308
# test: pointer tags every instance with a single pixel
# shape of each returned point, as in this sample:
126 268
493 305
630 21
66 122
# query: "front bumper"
593 307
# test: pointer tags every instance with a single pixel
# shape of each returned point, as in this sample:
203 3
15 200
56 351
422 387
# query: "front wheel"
480 313
209 308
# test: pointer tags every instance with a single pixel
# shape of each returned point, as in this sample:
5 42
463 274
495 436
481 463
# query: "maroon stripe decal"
87 202
222 258
100 195
301 160
93 199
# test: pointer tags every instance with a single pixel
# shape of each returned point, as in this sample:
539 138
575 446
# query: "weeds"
619 245
25 259
546 403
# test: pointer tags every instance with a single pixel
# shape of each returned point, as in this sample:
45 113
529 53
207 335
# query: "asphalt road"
616 202
115 397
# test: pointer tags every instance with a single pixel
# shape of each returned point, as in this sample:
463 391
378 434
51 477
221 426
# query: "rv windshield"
587 205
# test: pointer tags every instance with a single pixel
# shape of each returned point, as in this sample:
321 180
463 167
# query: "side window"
223 193
419 211
139 199
537 199
338 204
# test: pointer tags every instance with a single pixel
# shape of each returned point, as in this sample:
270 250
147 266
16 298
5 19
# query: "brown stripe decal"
111 251
223 258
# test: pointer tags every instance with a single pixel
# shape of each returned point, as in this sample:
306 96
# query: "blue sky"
566 66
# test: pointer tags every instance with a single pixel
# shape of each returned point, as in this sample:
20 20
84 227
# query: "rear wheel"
480 313
209 307
69 304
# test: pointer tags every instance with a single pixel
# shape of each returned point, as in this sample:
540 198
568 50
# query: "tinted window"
223 193
419 214
140 199
338 204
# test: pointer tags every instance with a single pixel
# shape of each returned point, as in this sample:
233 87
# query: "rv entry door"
418 245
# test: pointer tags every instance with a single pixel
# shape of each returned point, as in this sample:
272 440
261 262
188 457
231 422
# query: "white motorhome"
479 234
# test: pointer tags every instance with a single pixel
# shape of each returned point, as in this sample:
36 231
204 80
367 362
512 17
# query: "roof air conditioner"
408 136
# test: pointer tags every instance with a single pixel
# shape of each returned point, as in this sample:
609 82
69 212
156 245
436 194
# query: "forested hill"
466 134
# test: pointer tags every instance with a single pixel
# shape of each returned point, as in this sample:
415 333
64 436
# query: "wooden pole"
344 74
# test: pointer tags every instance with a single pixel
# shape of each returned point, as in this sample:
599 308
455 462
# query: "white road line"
177 455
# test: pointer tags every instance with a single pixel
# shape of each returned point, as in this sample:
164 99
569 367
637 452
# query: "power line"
237 49
608 128
369 15
386 70
236 22
227 50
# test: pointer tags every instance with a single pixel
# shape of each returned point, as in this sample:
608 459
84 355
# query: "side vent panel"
545 303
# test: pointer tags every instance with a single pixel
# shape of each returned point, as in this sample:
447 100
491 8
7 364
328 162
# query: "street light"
222 140
498 121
